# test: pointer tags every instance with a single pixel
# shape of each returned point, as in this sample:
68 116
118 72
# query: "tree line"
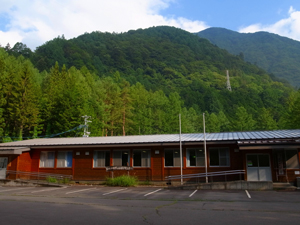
35 104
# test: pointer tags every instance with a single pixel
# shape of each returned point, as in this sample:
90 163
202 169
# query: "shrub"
51 179
146 182
123 181
64 181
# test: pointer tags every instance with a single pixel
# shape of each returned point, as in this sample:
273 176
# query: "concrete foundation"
232 185
21 183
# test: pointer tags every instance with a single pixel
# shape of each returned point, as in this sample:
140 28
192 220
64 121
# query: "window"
101 158
141 158
121 158
291 157
219 157
64 159
172 157
286 159
47 159
195 157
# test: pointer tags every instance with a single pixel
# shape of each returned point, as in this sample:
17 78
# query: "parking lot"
125 193
158 193
151 205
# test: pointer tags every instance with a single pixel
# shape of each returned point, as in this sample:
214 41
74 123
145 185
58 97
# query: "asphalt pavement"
146 205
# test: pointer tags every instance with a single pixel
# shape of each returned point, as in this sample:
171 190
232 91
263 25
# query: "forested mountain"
136 83
275 54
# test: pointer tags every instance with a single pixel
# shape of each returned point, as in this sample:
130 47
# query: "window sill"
218 166
195 167
63 168
170 167
142 167
56 168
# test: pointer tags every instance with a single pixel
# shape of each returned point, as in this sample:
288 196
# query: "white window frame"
146 160
175 160
123 150
197 157
47 159
64 157
220 157
95 158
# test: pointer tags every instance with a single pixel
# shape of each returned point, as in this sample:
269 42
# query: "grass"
146 182
65 181
51 179
122 181
55 180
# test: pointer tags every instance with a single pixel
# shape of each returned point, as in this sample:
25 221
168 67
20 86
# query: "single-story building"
264 155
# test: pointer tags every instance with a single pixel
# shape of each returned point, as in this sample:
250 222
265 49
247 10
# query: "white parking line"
152 192
15 189
193 193
249 196
79 190
114 191
52 189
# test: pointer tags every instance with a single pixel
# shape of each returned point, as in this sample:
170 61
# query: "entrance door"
258 167
3 165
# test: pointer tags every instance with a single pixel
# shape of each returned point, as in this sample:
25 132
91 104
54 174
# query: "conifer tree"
212 122
265 120
243 121
140 110
292 117
20 92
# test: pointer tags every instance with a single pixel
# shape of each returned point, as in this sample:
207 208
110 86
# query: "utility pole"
86 121
228 81
205 152
180 145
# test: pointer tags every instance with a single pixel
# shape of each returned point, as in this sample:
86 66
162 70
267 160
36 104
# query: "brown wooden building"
264 155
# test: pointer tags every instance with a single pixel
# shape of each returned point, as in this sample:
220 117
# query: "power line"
46 136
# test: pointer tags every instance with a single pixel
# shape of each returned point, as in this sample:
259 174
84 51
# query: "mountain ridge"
276 54
138 82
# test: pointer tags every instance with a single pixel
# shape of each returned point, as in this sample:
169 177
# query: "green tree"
243 121
113 107
292 117
140 100
225 124
20 92
212 123
191 121
265 120
127 106
157 114
3 55
66 99
173 109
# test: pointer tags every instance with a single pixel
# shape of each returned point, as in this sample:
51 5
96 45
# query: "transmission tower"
86 126
228 81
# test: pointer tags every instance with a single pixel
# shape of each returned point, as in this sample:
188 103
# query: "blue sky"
232 14
34 22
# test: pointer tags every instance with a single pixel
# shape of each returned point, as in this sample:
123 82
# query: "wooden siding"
82 164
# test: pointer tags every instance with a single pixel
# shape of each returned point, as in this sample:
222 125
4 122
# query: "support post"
205 153
181 180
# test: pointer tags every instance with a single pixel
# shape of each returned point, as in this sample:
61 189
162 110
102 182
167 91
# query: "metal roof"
13 150
161 138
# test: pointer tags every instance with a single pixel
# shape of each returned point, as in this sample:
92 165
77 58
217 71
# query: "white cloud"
34 22
288 27
9 37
